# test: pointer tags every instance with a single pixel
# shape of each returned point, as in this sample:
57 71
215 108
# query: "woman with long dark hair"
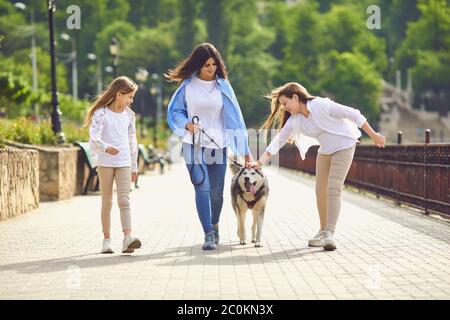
205 113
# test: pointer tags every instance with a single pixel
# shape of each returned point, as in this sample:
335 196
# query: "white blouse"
331 125
118 130
204 100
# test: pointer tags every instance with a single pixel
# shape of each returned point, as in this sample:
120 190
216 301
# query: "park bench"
89 159
151 157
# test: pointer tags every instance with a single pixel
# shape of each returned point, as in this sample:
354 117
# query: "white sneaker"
130 243
317 241
107 246
328 241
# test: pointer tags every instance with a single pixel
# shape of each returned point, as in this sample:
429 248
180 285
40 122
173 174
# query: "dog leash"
212 140
194 157
196 120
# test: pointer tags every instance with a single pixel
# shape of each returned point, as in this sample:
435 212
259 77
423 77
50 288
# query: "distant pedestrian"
112 138
308 120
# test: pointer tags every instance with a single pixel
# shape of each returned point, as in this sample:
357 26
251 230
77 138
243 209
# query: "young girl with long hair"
112 138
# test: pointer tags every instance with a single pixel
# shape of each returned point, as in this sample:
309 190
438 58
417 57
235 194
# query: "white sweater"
118 130
331 125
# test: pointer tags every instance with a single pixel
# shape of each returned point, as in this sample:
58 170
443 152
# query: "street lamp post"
56 113
73 58
114 51
141 76
22 6
158 91
98 73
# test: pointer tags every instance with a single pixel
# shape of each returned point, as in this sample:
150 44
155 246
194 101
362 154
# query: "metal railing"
417 175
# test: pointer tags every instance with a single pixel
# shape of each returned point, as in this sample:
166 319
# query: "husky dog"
249 190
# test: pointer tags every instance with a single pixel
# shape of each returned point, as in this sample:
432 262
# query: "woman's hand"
111 150
134 176
248 159
193 128
255 165
262 160
379 140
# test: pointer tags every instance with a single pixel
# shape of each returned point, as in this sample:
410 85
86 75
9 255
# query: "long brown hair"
278 115
121 84
195 62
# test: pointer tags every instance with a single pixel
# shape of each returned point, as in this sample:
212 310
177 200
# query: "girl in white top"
309 120
112 138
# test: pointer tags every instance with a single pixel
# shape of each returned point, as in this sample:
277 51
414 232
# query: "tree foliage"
324 45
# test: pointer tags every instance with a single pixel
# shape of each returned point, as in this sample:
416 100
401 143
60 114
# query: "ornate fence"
415 174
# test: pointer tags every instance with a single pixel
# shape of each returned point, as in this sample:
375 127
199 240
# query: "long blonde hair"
277 114
121 84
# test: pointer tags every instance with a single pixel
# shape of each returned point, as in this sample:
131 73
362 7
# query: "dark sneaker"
209 241
216 233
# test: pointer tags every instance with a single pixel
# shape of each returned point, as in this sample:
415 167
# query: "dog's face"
250 180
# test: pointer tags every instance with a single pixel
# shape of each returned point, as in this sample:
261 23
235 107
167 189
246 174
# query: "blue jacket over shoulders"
236 131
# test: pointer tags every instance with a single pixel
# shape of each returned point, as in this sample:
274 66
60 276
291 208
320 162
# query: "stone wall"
59 171
19 181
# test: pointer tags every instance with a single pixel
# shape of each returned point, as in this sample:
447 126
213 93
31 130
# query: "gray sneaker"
216 233
328 241
130 243
317 241
209 241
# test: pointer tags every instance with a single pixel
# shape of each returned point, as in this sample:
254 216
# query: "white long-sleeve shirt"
204 100
118 130
331 125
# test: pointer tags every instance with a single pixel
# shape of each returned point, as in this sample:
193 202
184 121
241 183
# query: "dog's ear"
258 171
241 170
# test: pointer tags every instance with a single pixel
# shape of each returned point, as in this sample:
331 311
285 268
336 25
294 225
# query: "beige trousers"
331 171
122 176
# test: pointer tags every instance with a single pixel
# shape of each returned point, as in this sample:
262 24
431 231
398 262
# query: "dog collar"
257 196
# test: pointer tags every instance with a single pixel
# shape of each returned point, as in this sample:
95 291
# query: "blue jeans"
207 169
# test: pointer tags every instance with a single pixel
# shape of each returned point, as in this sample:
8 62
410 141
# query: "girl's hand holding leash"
134 176
111 150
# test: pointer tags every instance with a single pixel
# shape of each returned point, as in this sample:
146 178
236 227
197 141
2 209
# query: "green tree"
426 50
251 67
346 31
150 13
190 29
350 79
14 93
152 49
217 25
304 31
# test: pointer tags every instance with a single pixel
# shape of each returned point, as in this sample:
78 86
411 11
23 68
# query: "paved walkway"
383 252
